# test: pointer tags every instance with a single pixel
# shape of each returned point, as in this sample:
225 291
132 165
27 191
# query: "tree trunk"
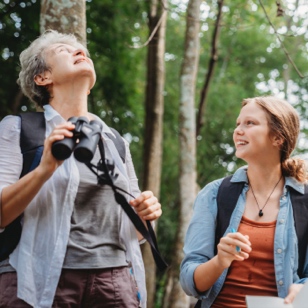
64 16
154 106
187 127
211 67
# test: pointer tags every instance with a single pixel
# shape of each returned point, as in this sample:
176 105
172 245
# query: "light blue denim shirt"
200 239
48 215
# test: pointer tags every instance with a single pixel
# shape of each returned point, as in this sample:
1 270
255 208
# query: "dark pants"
106 288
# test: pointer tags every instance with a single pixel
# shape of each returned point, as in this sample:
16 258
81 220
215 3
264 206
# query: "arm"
207 273
200 268
18 193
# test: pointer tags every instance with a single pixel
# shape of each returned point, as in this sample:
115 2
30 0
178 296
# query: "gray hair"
33 63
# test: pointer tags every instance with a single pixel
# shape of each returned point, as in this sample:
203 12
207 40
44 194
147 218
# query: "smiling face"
252 136
69 64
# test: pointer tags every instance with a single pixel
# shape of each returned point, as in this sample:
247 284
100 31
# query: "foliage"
19 24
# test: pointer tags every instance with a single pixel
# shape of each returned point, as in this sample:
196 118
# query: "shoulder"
10 125
208 192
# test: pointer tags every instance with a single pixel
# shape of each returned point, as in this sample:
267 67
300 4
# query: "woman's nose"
79 52
238 130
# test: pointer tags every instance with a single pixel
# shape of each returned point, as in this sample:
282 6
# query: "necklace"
261 210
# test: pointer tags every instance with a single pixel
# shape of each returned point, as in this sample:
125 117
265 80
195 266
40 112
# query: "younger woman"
258 254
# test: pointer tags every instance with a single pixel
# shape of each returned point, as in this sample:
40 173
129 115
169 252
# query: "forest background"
171 76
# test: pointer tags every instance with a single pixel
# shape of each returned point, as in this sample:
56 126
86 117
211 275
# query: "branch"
281 42
156 27
212 62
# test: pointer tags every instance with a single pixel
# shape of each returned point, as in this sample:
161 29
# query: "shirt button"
280 282
281 221
283 198
279 250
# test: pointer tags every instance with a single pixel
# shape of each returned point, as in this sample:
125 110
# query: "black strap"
148 233
32 136
227 196
300 213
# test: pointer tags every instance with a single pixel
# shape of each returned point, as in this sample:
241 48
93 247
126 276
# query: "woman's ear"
43 79
277 141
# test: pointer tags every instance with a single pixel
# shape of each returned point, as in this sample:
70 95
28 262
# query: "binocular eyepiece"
84 141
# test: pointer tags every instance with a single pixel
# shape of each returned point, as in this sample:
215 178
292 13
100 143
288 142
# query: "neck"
70 102
265 176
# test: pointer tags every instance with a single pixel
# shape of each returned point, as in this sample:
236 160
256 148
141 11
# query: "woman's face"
252 137
69 64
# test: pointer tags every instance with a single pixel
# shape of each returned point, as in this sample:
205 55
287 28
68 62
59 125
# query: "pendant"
260 213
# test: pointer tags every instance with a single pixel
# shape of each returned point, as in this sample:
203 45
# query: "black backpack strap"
300 213
118 142
227 196
32 136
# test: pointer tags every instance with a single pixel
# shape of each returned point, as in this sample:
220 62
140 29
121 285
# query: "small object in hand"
238 249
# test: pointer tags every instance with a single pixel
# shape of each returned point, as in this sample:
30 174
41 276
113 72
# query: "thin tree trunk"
187 126
64 16
211 67
154 106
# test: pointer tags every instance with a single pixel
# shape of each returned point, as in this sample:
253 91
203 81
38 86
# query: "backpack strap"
118 142
227 196
300 213
32 136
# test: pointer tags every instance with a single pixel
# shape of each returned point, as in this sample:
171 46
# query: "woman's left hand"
293 291
147 206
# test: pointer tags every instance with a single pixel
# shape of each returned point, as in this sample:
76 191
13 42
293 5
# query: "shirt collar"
240 175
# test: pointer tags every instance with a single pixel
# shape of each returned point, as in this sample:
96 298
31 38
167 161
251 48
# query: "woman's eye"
250 123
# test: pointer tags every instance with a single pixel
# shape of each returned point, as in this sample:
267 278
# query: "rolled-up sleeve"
200 237
10 153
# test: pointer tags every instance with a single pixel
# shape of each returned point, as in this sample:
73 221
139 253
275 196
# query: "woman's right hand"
233 246
49 163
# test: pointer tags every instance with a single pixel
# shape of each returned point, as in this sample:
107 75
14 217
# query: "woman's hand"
147 206
293 291
233 246
49 163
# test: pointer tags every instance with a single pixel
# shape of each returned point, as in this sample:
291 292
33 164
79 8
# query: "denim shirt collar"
241 176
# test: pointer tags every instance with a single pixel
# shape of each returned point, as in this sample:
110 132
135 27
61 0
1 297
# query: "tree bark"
187 126
154 106
64 16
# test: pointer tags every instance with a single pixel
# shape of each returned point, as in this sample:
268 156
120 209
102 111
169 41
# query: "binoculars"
83 143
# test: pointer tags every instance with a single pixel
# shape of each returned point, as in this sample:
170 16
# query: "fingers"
48 162
147 206
233 246
293 291
238 240
60 132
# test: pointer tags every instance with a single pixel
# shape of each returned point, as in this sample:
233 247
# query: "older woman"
78 248
258 254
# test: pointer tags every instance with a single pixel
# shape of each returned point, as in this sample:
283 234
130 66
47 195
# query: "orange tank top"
255 275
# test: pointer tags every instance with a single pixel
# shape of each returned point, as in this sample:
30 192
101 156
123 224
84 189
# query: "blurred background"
171 76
